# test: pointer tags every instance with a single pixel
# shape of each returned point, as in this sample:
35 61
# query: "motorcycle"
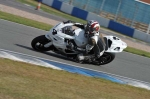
60 42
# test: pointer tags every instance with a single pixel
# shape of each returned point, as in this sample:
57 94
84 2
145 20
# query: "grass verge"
25 81
25 21
137 51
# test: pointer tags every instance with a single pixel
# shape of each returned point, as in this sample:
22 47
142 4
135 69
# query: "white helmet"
93 27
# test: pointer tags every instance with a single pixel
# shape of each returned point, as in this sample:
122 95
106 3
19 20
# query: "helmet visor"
95 29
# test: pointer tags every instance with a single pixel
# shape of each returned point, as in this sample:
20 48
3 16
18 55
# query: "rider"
92 29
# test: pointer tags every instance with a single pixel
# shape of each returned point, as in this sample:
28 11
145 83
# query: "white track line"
37 61
34 61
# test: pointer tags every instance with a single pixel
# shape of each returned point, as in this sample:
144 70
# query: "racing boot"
83 56
80 58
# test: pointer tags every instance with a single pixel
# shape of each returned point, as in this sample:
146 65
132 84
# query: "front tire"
39 42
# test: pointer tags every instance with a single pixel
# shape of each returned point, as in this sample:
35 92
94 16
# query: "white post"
86 5
70 2
148 28
118 10
102 5
135 14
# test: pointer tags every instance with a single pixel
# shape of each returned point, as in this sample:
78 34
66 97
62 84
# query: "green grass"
24 21
137 51
25 81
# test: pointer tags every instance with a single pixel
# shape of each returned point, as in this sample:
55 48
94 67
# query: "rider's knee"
92 41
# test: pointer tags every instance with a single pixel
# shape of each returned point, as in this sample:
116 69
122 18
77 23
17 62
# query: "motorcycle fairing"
115 44
80 38
59 37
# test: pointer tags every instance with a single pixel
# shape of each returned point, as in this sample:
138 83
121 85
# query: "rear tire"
39 42
106 58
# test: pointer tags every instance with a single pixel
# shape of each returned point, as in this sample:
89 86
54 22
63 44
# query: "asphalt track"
17 38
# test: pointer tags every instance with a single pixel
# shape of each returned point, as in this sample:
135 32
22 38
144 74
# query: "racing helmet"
92 27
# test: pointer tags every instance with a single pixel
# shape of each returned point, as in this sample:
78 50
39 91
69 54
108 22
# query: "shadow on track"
52 54
47 53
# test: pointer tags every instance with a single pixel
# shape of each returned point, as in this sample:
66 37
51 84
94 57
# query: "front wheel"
106 58
39 42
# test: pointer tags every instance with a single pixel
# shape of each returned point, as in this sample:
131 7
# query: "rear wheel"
106 58
39 42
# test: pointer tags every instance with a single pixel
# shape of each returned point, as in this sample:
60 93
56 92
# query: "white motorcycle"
67 36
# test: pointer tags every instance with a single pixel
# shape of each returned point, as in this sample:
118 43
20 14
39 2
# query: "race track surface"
17 38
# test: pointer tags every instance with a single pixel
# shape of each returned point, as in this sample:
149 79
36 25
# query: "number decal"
54 32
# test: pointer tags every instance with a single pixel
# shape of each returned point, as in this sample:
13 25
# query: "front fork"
49 43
